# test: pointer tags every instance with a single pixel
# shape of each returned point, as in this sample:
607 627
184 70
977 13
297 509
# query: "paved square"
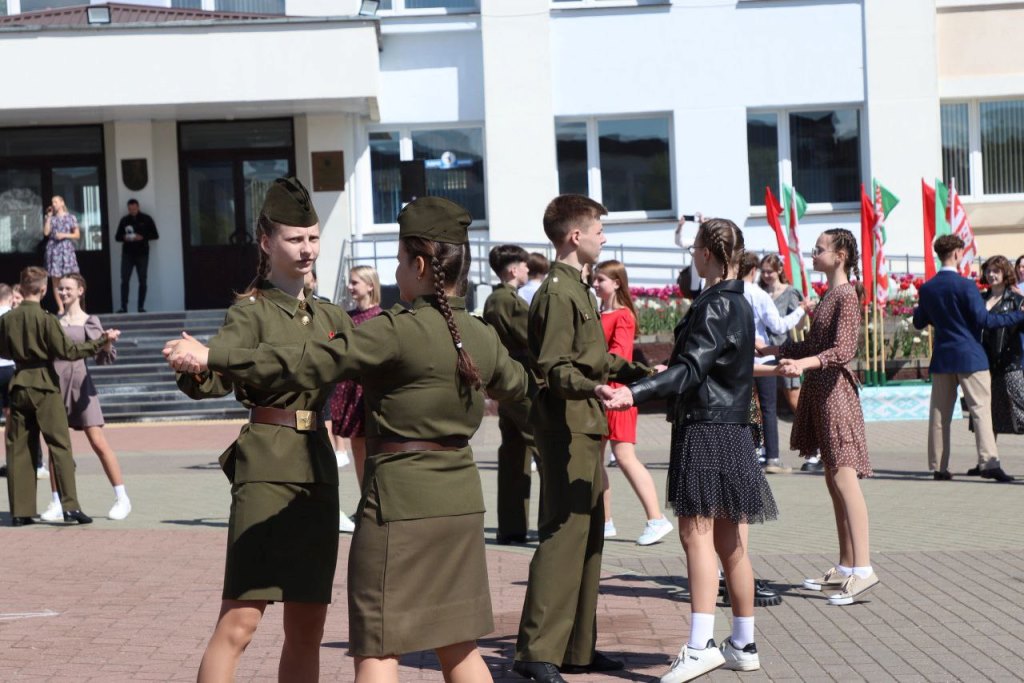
136 600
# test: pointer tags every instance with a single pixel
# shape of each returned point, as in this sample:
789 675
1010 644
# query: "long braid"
843 240
449 264
724 240
264 226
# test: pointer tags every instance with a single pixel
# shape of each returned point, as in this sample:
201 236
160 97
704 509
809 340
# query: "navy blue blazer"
953 306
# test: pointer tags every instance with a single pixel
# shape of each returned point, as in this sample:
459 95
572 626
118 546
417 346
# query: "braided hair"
267 227
844 241
449 264
724 240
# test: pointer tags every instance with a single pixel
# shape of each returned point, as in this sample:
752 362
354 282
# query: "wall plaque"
328 171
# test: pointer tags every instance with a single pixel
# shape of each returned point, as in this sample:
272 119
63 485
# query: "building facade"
654 107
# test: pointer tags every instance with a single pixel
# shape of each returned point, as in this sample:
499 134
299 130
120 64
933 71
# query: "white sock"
119 492
814 459
862 572
56 497
702 629
845 571
742 631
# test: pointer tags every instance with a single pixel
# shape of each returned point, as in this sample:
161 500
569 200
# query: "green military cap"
435 218
287 202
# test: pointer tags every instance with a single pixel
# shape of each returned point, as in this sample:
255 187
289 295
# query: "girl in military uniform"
283 527
417 576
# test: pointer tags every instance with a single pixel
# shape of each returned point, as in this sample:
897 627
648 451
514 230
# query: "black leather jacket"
1003 344
711 371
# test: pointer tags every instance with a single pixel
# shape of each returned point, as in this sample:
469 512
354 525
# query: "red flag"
774 211
867 232
928 199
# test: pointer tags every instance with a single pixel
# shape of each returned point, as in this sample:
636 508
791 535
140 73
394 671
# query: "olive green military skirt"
282 542
416 584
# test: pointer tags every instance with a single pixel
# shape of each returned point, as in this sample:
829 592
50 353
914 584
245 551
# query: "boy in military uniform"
33 338
570 358
507 313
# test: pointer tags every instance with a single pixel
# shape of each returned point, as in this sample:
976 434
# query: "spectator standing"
953 306
135 231
618 319
1003 346
61 229
538 266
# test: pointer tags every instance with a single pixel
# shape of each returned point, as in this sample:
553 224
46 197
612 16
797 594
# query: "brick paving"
136 600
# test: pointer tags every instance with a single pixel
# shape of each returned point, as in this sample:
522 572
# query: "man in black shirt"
135 230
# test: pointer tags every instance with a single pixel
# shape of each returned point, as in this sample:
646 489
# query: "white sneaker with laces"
737 659
853 588
342 458
345 524
121 509
42 473
692 663
609 529
654 531
54 513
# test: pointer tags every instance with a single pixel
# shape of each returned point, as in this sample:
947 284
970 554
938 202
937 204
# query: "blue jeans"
767 394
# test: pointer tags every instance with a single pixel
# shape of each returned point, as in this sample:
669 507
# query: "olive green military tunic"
570 357
32 338
508 313
417 576
283 527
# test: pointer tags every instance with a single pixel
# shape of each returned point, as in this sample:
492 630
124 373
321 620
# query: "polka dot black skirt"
713 472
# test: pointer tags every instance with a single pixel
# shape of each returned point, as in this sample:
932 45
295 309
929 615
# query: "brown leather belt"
299 420
396 444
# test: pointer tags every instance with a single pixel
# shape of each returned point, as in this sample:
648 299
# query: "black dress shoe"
22 521
997 474
974 472
122 310
3 470
545 672
943 475
77 516
508 540
599 663
142 310
764 595
813 466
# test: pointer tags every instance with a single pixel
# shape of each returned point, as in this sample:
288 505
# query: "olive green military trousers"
559 622
516 452
34 412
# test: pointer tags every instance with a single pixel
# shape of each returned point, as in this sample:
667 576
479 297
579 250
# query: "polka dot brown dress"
829 417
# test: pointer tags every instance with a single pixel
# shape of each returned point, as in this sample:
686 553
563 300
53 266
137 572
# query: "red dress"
347 418
619 331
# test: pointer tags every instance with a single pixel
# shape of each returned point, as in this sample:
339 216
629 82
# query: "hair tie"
458 345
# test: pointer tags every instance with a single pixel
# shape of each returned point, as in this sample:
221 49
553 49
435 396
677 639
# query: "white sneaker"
342 457
740 660
609 529
345 525
42 473
122 507
654 531
54 513
693 663
533 465
853 587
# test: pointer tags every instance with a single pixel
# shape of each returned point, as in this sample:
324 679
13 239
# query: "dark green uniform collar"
565 270
286 302
454 302
29 302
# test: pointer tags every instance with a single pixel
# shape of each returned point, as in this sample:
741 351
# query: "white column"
519 120
902 109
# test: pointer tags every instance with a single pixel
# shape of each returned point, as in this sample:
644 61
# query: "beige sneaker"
775 466
831 579
852 589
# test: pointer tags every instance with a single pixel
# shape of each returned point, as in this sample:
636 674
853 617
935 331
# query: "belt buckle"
303 420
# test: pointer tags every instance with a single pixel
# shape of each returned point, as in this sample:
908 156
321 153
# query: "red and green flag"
771 204
885 202
793 210
935 200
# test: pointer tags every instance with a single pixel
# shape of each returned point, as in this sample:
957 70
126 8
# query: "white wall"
520 136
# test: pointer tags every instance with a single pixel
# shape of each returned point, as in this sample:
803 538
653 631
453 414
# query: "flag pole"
881 345
868 372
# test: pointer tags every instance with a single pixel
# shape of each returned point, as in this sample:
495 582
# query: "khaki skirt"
416 584
282 542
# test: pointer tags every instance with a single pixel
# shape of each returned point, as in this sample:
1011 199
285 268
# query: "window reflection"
635 165
571 141
825 151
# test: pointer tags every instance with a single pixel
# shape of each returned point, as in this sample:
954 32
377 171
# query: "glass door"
21 211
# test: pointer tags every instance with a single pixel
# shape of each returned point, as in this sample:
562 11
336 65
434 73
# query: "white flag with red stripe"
961 227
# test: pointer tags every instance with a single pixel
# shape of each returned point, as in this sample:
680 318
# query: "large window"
624 163
251 6
405 5
449 162
983 147
38 163
816 151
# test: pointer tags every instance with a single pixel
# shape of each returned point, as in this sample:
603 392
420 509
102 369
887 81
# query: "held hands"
614 399
187 354
788 367
112 336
